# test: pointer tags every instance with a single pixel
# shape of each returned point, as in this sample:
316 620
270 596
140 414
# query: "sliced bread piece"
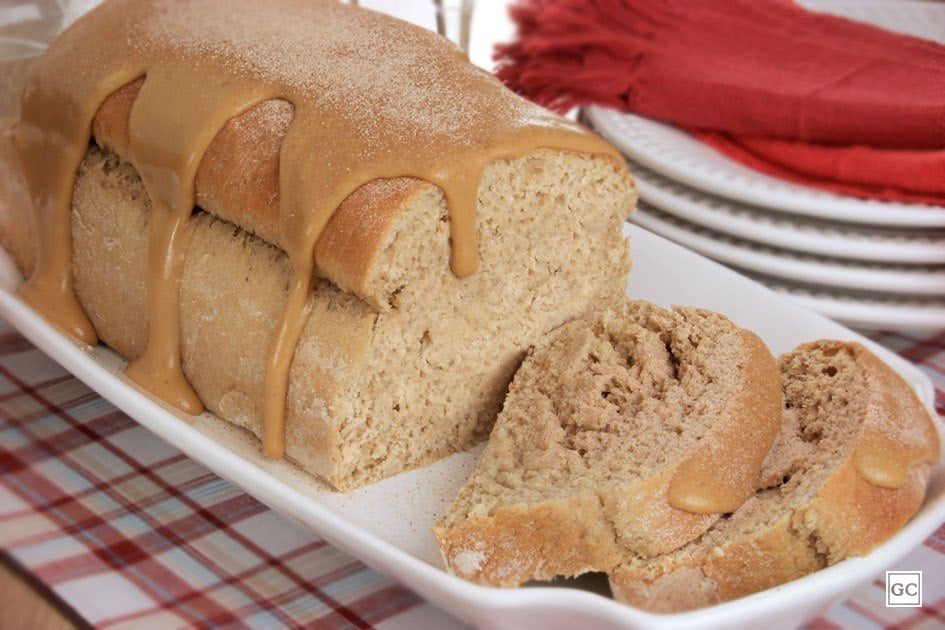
848 469
626 433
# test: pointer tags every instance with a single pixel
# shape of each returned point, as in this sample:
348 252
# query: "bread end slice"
814 506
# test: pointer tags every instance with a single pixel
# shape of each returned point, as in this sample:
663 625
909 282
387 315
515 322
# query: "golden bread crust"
238 180
848 516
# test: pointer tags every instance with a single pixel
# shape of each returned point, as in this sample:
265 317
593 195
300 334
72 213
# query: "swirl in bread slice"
624 434
848 469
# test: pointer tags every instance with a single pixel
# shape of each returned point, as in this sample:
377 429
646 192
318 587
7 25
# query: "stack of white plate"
869 264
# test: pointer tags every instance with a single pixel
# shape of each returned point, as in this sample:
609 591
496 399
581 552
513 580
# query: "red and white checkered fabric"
129 532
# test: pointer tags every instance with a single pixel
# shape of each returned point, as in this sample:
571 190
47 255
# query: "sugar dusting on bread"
468 562
377 70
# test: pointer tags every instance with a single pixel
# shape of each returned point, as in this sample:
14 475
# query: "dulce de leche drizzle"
885 462
374 97
898 433
710 480
175 117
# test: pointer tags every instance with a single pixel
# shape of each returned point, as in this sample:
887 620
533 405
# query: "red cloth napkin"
805 96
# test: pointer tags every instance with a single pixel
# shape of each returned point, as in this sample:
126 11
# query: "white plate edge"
798 270
656 194
863 314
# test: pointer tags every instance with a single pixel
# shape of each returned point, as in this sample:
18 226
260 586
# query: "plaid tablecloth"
130 533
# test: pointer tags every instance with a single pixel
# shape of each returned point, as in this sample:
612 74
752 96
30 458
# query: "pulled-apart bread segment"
402 364
625 434
382 229
848 469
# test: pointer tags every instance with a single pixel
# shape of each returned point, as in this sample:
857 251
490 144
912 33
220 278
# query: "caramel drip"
709 480
374 98
280 360
897 433
885 462
177 114
51 138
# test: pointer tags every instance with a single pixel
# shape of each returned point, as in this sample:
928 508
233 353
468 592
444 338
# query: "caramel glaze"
374 97
898 433
885 461
709 480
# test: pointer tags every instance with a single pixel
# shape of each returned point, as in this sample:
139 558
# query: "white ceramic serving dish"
387 525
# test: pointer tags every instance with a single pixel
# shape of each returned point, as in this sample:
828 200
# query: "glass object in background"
40 20
26 28
453 21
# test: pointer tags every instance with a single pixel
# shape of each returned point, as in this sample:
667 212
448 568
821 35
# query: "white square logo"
903 589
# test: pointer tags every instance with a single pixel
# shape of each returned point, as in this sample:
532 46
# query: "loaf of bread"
848 469
407 363
624 435
401 361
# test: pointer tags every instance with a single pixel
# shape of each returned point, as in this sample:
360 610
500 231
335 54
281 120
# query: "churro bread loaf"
468 222
626 434
411 367
848 469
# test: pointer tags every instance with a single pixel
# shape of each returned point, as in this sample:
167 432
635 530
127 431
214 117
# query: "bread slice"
815 506
610 425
